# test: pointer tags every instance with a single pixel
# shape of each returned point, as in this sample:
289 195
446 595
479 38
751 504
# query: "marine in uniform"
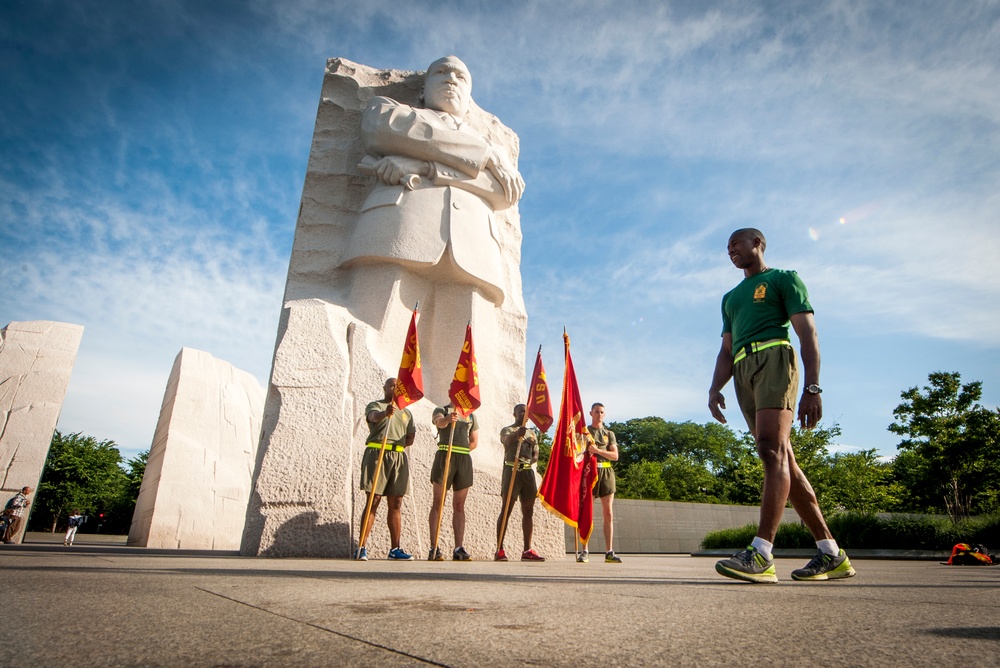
396 425
460 474
520 445
605 449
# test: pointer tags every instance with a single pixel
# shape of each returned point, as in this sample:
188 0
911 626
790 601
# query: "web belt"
388 447
757 346
455 448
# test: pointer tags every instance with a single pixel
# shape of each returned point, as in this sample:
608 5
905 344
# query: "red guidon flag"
409 386
464 391
539 404
560 491
588 479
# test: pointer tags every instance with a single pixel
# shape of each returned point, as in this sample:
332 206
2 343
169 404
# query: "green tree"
80 473
742 478
642 480
544 451
953 441
711 445
860 482
688 480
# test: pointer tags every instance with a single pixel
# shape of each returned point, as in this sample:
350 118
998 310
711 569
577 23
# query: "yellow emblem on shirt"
760 292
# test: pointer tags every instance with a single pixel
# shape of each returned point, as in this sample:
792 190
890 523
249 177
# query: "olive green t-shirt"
603 438
399 424
463 426
529 444
759 308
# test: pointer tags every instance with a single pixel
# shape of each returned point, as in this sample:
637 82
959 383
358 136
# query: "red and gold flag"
585 525
409 386
539 403
560 490
464 391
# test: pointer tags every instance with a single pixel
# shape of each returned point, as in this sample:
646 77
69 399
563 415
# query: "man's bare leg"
395 519
433 518
371 516
458 515
607 508
527 521
783 479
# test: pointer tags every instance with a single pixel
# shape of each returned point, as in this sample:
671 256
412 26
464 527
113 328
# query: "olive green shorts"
525 484
766 379
393 479
605 482
459 470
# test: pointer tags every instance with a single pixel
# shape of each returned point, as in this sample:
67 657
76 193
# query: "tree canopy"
949 455
85 474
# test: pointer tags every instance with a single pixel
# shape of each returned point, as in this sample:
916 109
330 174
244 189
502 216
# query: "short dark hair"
752 233
596 404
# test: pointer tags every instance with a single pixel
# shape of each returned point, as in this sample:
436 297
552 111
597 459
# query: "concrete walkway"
120 606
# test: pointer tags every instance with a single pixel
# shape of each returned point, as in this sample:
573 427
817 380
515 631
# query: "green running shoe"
825 567
612 558
749 565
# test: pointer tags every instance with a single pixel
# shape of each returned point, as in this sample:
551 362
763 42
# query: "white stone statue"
439 184
410 196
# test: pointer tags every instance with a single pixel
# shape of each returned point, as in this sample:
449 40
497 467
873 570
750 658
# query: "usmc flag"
539 404
409 386
464 391
560 490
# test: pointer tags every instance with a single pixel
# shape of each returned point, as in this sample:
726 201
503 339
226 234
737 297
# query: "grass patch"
871 532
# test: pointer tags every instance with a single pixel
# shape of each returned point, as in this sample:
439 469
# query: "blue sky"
154 155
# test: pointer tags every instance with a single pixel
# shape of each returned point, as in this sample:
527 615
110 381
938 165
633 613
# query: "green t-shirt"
463 426
529 445
400 424
604 438
758 309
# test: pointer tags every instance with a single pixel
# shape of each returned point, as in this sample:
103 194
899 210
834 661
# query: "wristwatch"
814 389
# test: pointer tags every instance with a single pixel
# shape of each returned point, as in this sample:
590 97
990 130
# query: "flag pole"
444 490
363 538
514 471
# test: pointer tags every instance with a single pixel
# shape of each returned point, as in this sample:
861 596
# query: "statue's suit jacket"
453 210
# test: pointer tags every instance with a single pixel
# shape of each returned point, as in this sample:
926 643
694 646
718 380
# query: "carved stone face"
448 86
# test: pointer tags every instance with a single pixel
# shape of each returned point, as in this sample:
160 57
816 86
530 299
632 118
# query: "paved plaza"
108 605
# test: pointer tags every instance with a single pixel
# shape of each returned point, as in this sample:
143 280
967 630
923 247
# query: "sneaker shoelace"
746 556
818 561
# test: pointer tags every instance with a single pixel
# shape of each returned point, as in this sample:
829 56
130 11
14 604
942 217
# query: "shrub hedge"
861 531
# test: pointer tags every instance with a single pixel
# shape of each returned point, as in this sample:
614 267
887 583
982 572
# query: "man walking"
15 510
757 354
520 444
605 449
396 426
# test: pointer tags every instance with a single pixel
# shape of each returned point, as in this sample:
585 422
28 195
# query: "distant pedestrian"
757 354
75 520
15 511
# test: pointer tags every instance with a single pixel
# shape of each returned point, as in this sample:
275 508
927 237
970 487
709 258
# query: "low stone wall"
666 527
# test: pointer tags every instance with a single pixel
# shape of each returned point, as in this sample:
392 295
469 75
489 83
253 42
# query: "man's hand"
716 404
390 409
394 169
508 177
521 432
810 410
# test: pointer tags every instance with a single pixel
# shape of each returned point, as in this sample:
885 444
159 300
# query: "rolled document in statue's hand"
367 167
